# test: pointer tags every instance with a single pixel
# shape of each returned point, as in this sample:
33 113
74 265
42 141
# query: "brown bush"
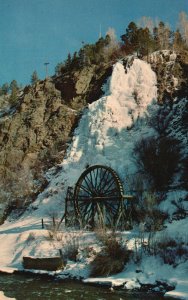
158 159
171 250
104 265
112 258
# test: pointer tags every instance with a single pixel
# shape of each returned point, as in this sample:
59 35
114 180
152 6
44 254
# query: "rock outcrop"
84 86
40 122
171 69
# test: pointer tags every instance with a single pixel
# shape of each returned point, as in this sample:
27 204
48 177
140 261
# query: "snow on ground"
106 135
3 297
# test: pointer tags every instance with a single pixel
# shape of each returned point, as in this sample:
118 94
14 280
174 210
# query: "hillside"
137 115
37 129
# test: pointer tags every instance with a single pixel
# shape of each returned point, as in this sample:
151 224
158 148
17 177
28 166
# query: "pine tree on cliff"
34 78
178 42
145 41
14 88
5 89
137 40
130 38
68 62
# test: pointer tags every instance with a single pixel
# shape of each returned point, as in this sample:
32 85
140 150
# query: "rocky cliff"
35 131
33 136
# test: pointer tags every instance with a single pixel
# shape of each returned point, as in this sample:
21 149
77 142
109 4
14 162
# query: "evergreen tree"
89 54
59 69
137 40
5 89
81 57
14 88
178 42
34 78
130 38
68 62
75 61
145 41
156 39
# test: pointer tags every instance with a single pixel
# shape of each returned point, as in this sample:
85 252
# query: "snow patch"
3 297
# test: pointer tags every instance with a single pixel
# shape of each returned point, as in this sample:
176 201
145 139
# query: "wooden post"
60 253
46 64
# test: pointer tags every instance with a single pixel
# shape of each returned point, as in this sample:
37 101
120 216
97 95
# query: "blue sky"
33 32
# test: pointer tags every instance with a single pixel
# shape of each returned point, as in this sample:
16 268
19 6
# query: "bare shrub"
146 211
53 227
172 250
71 245
103 265
136 184
18 188
113 257
69 240
139 248
184 176
112 242
31 237
144 207
161 119
158 159
181 211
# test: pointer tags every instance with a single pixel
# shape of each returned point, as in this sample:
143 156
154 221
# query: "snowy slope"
110 127
105 135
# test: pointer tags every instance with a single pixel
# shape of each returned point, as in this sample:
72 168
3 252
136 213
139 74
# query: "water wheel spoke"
91 214
83 204
82 187
112 192
89 184
96 178
89 181
108 185
112 208
106 181
102 179
113 187
86 209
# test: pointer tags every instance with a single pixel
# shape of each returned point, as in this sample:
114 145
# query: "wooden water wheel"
98 197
